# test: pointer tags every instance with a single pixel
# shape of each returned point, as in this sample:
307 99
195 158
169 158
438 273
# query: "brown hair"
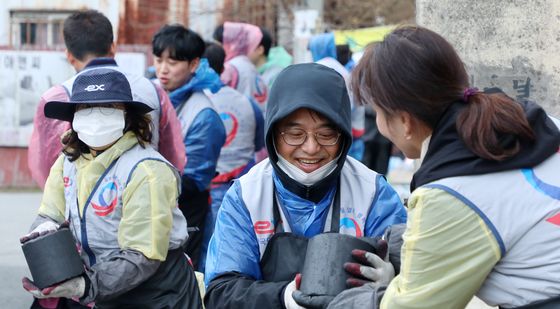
417 71
135 121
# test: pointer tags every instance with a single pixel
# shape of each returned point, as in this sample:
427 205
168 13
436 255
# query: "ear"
112 50
260 50
409 125
74 62
71 59
193 65
414 128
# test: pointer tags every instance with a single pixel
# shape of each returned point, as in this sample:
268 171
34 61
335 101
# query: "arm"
203 144
53 203
143 234
448 252
233 272
45 145
386 209
170 136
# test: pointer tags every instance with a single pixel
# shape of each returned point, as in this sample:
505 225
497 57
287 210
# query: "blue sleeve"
385 210
203 143
234 245
259 118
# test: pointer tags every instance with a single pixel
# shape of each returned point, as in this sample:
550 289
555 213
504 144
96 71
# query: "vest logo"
67 181
231 124
349 226
554 220
107 199
91 88
261 93
264 227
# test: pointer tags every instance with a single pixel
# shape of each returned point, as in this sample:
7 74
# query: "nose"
310 145
162 67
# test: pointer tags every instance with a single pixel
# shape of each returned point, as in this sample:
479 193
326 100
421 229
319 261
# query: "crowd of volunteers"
202 186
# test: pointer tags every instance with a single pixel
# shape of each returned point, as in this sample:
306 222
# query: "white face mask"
302 177
99 126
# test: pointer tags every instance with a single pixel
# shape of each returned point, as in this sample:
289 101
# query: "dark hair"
137 122
218 34
266 41
183 44
88 33
216 56
343 53
417 71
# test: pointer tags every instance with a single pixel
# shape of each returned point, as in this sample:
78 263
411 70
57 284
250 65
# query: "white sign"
26 75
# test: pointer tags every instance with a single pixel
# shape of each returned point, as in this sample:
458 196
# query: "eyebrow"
292 124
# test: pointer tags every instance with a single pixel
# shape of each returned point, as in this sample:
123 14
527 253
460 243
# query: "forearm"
234 290
117 275
447 253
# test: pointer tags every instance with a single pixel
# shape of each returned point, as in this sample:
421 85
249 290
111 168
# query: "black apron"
173 285
284 255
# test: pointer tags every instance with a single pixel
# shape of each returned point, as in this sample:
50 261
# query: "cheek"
382 126
333 151
283 150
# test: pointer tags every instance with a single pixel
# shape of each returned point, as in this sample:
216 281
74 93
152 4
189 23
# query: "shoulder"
55 93
358 169
257 172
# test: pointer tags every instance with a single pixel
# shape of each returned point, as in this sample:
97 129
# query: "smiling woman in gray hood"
308 186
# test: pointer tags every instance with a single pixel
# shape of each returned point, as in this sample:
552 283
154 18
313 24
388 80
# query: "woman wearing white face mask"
120 198
308 186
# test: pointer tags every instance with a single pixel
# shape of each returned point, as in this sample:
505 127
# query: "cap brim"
65 110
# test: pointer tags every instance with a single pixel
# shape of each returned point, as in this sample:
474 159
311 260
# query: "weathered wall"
108 7
512 44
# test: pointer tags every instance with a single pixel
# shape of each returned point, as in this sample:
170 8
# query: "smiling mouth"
309 161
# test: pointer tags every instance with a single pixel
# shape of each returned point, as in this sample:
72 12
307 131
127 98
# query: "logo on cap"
91 88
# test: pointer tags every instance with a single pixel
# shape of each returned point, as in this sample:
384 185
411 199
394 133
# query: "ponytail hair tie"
469 92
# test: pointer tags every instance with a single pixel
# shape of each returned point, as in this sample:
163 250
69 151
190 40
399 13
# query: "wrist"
87 287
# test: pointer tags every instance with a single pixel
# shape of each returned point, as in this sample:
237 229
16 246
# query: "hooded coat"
233 267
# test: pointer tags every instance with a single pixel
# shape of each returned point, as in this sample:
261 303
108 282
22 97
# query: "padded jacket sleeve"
233 274
386 209
203 143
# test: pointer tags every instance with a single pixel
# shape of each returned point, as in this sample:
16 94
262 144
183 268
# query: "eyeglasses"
105 109
296 137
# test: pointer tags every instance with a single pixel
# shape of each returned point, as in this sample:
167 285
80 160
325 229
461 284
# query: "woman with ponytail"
484 212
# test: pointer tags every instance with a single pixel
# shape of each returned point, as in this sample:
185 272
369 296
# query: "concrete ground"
18 211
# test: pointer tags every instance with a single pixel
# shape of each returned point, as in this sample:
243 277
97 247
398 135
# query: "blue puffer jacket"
234 246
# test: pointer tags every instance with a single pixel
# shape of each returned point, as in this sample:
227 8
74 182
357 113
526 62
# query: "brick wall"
141 19
14 172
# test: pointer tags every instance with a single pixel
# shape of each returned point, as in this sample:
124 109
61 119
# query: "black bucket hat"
96 86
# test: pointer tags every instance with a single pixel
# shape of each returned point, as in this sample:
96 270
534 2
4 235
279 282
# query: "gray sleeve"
366 296
393 236
117 275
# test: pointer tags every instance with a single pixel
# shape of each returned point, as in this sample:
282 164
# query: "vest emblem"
350 226
231 124
106 199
